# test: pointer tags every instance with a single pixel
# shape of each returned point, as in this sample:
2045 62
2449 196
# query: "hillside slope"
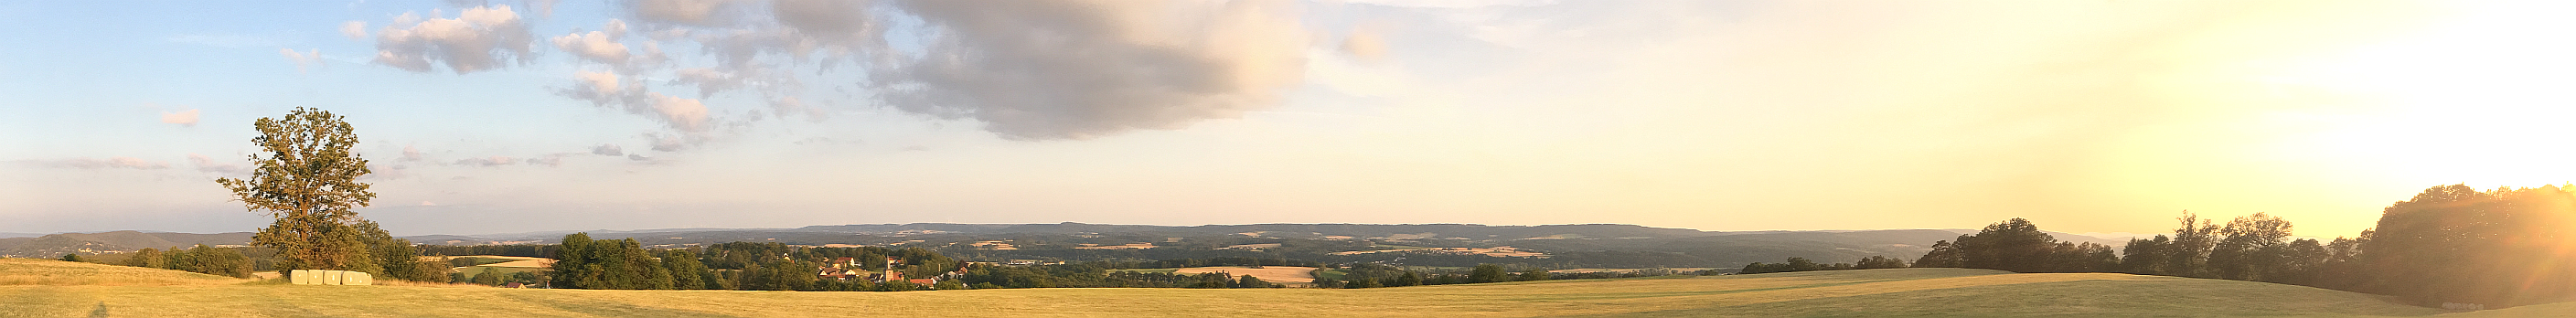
1891 292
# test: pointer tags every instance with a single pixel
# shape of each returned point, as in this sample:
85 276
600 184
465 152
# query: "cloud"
109 163
1076 70
493 161
355 30
668 143
605 89
183 118
1365 44
607 150
681 113
692 12
303 60
597 46
205 164
549 161
411 153
479 38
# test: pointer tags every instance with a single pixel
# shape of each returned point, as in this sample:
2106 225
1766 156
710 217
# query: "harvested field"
1940 292
25 271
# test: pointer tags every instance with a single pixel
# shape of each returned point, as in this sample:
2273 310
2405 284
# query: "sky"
513 116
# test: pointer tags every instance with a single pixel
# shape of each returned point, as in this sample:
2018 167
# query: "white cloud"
680 113
597 46
355 30
303 60
183 118
479 38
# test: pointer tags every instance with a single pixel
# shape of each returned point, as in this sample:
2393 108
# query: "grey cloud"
493 161
479 38
549 160
668 143
1076 70
607 150
692 12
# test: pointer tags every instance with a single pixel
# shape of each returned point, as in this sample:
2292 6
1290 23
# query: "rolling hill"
1857 293
54 245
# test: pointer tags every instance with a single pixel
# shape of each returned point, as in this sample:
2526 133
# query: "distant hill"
1572 245
1564 246
55 245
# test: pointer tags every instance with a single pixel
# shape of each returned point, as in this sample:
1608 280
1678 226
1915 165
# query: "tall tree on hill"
309 183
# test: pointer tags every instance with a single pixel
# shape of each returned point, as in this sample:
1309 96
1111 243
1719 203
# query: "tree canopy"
309 183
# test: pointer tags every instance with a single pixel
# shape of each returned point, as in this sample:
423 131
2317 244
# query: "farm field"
1884 292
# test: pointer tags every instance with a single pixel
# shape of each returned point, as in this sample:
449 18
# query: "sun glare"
2479 97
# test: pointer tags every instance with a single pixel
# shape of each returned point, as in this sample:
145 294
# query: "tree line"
2450 244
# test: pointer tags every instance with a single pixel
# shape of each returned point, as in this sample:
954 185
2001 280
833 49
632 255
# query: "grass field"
1858 293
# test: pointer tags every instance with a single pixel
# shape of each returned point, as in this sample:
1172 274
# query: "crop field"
1857 293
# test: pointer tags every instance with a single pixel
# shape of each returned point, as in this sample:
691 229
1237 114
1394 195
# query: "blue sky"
508 116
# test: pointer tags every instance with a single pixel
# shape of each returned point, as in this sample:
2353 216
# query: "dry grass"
26 271
1871 293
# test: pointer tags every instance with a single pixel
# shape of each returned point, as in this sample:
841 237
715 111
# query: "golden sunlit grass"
1887 292
23 271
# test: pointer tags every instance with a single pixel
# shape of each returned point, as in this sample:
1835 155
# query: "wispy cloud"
109 163
303 60
206 164
183 118
236 41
